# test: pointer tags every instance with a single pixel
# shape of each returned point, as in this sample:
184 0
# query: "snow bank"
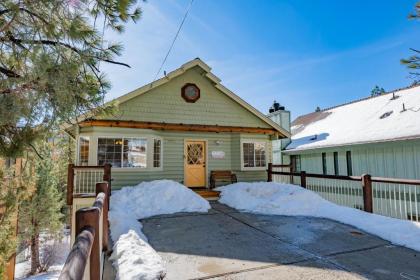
132 265
292 200
134 258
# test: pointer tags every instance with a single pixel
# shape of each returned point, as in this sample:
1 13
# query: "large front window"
123 152
254 154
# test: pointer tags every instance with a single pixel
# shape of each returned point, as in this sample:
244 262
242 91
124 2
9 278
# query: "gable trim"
195 62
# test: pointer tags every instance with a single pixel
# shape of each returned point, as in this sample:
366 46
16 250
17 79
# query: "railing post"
367 193
89 217
103 187
107 176
292 170
303 179
270 172
70 183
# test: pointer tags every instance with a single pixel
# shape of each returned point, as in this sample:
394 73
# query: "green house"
180 127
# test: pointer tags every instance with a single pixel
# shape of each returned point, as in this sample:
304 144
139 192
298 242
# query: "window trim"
349 166
122 151
250 141
324 163
336 162
78 162
93 149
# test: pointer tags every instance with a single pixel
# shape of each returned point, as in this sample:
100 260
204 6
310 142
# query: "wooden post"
70 183
270 172
367 193
107 175
303 179
292 170
103 187
89 217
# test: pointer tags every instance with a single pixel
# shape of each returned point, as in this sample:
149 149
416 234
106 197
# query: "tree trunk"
35 249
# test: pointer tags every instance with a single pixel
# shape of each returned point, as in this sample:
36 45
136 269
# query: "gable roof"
388 117
213 78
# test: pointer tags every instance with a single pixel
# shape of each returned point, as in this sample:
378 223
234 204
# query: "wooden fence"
397 198
85 260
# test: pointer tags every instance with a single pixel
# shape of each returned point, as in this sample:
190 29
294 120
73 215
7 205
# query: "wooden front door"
195 164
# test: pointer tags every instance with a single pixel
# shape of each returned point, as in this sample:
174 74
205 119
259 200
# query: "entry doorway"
195 158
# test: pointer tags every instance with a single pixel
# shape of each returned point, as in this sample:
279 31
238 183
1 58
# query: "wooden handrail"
322 176
396 181
76 262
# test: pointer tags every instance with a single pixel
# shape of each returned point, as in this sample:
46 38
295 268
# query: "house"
180 127
375 135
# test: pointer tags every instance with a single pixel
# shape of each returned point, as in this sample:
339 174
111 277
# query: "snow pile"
374 119
133 265
292 200
134 258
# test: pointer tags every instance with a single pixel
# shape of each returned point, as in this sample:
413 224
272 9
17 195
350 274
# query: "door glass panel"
195 153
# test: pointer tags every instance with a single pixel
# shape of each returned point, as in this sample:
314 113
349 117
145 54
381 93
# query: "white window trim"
262 168
93 150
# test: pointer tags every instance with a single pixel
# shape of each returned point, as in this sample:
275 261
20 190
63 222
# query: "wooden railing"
81 180
398 198
85 260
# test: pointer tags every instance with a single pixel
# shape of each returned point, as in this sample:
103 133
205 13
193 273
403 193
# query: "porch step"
208 194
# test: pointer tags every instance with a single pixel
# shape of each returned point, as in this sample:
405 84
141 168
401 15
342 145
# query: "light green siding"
165 104
398 159
173 154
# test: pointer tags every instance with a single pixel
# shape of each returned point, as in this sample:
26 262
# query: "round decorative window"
190 93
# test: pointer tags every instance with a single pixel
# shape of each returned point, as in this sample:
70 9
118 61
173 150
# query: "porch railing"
397 198
81 180
85 260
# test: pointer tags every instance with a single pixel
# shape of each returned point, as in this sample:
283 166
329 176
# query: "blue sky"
301 53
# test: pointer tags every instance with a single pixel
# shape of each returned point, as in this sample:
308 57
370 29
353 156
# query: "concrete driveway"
227 244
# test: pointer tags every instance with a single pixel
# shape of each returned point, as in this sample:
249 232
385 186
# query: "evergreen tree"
317 109
50 53
376 91
41 213
413 62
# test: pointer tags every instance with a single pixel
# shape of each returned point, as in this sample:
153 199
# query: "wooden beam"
178 127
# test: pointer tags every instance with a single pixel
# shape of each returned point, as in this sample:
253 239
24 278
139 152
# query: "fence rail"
85 260
393 197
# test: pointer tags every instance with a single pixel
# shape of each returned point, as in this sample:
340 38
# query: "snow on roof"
391 116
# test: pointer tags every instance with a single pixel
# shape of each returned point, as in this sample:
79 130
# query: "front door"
195 163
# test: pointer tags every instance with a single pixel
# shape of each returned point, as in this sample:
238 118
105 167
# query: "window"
122 152
324 163
83 150
296 165
336 163
157 148
349 164
253 154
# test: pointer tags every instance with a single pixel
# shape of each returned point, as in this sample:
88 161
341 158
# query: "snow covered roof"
391 116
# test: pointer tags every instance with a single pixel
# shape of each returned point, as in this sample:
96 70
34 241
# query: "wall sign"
190 93
217 154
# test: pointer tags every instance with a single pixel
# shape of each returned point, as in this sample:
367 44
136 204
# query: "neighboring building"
376 135
180 127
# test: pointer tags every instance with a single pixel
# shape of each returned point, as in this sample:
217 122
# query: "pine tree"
413 62
41 213
376 91
50 56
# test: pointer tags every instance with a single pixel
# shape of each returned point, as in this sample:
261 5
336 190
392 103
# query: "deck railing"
397 198
85 260
81 180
